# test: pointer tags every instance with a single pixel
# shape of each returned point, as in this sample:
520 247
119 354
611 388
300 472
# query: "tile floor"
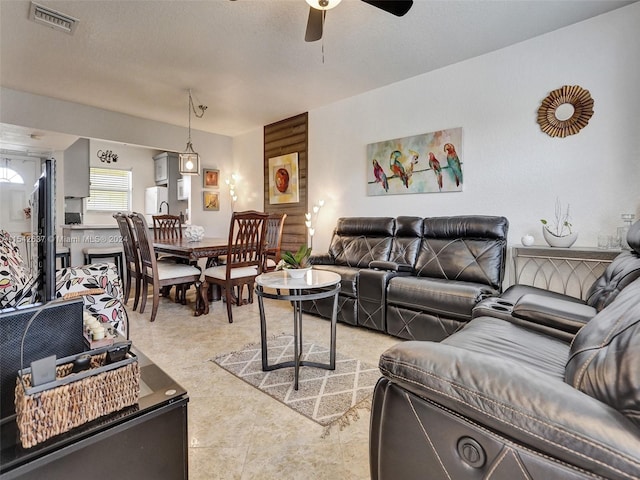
235 431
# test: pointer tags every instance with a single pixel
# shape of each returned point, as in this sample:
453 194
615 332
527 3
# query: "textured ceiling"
247 59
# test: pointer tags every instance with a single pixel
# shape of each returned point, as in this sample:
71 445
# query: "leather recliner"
563 315
502 401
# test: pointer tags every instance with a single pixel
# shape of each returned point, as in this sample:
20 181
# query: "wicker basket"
74 398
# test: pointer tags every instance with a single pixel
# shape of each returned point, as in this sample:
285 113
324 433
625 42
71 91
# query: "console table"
146 440
566 270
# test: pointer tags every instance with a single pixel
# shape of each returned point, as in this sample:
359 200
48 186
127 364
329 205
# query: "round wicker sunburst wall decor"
574 95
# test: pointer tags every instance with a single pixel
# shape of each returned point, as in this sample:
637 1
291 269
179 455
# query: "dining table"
206 247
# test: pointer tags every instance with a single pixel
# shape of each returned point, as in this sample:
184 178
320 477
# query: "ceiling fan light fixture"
323 4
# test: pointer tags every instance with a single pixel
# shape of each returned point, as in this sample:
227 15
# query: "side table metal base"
296 296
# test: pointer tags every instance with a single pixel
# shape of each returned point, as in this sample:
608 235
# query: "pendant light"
189 160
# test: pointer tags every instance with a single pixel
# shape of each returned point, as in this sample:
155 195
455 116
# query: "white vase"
561 242
297 272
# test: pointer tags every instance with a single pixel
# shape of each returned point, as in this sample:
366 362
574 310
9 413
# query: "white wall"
511 168
34 111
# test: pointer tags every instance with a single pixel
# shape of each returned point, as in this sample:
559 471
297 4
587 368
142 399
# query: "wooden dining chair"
169 227
273 242
245 258
131 258
166 227
156 272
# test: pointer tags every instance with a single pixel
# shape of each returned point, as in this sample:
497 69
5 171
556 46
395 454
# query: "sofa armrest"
553 312
391 266
535 409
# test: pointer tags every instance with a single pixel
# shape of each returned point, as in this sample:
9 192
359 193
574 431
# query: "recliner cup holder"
502 308
504 302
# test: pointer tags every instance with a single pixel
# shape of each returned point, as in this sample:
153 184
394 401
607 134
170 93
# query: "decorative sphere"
282 180
527 240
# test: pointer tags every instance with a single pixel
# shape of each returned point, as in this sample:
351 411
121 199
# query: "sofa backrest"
357 241
604 359
624 269
469 248
406 243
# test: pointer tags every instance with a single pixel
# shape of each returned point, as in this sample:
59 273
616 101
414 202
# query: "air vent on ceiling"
53 19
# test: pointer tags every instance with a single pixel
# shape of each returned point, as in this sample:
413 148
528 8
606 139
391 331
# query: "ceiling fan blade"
314 25
396 7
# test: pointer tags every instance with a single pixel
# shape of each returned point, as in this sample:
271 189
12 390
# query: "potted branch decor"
296 264
560 233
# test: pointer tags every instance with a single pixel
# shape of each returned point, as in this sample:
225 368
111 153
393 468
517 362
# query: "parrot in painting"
454 163
397 168
434 164
414 160
381 177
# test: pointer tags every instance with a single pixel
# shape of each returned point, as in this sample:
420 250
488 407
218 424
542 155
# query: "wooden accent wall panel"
281 138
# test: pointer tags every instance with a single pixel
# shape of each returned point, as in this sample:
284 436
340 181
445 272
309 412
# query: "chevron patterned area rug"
327 397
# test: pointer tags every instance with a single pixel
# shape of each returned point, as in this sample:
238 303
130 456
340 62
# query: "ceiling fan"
318 10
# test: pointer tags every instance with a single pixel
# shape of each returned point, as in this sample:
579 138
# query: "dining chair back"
131 258
155 272
273 242
245 258
166 227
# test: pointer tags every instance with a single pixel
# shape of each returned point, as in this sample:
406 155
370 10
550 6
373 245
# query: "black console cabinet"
145 441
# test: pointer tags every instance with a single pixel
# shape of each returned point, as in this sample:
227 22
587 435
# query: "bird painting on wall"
381 177
454 163
434 165
430 162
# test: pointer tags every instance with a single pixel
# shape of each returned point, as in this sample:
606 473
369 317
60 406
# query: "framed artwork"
427 163
283 179
210 178
211 201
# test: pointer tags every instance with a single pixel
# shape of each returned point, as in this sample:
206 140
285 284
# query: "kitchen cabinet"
76 169
184 188
161 168
166 168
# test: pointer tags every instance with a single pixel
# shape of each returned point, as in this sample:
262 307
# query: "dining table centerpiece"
297 264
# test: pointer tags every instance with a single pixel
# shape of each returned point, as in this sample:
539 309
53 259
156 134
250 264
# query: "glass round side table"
315 284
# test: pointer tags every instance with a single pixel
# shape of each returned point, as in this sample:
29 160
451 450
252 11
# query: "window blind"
110 190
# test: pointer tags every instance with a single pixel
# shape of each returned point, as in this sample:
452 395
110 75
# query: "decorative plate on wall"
565 111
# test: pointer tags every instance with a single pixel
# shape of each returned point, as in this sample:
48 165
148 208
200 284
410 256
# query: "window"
8 175
110 190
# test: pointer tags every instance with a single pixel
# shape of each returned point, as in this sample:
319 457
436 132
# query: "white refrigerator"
153 198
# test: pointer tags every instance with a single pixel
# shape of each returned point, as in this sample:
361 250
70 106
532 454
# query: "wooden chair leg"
137 292
144 293
229 295
127 286
183 294
156 301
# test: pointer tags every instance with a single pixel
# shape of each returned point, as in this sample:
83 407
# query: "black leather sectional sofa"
549 390
413 277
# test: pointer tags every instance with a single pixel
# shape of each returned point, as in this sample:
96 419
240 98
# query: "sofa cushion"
466 248
407 240
452 298
357 241
604 360
624 269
